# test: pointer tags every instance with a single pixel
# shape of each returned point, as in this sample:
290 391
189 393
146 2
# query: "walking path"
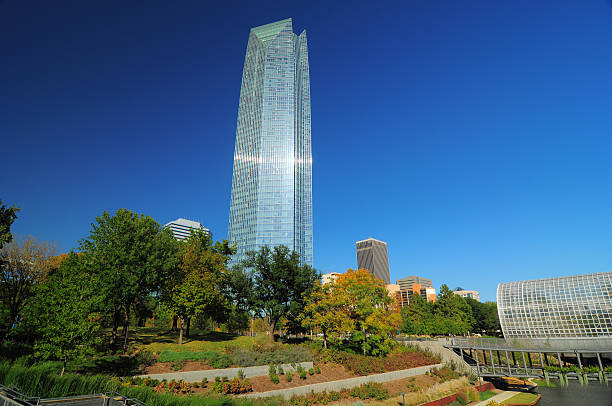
498 398
211 374
343 383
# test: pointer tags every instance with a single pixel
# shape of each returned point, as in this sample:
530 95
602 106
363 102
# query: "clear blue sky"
474 137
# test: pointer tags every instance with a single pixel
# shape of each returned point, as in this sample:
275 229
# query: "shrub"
370 390
145 358
281 371
302 374
204 382
271 369
240 374
317 369
235 386
177 365
179 388
289 376
311 371
274 378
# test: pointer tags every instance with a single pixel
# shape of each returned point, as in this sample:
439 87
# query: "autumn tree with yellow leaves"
355 306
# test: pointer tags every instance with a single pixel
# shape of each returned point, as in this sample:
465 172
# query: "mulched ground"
188 366
406 384
329 372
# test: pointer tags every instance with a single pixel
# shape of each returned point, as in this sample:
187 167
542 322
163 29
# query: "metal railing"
601 345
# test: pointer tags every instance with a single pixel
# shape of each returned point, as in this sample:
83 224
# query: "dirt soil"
163 367
329 372
404 385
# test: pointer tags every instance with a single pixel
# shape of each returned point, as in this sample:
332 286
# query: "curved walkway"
343 383
211 374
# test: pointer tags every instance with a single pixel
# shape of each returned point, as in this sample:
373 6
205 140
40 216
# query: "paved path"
343 383
211 374
498 398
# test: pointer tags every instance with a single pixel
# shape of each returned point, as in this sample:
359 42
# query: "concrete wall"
210 374
343 383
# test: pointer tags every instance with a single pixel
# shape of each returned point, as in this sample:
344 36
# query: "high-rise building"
473 294
271 202
407 282
372 255
181 228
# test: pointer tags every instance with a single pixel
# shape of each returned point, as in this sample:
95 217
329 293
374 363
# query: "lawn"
158 340
521 399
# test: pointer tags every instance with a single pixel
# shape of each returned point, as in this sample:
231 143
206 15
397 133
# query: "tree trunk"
174 323
252 322
181 332
188 332
125 331
115 327
324 340
364 341
63 367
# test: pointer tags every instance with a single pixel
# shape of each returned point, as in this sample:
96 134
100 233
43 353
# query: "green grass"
486 394
521 399
542 383
157 341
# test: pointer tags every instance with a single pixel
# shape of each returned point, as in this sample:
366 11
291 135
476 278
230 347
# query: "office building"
329 277
567 312
473 294
181 228
407 282
271 199
372 255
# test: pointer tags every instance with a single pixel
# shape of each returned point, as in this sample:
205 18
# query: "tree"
23 265
7 216
198 284
133 255
452 315
281 283
417 317
327 310
67 311
485 316
370 307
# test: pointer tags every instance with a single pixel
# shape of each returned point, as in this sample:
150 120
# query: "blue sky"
473 137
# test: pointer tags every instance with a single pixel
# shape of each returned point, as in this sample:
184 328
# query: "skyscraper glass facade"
577 307
271 202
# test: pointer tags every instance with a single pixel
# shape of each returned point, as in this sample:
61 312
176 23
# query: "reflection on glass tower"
271 201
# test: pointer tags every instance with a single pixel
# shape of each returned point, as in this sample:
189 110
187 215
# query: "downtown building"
372 255
181 228
271 199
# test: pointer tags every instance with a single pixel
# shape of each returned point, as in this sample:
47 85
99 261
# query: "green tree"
23 265
281 284
7 216
485 316
134 257
327 310
67 311
452 315
417 317
198 286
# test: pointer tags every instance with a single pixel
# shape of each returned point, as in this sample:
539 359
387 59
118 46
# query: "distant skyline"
473 137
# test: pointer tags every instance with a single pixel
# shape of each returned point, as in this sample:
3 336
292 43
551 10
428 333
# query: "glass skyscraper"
271 202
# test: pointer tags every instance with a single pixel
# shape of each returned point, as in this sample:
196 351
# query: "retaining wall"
344 383
211 374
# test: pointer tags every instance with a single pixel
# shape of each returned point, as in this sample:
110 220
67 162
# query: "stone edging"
211 374
344 383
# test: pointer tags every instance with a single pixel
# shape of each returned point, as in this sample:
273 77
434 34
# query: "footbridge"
493 357
13 397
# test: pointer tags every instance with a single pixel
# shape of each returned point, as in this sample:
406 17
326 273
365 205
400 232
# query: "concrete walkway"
498 398
211 374
343 383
